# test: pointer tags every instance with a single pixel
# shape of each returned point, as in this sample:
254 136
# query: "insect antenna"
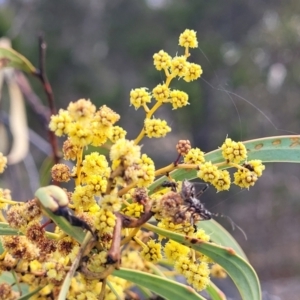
206 186
233 224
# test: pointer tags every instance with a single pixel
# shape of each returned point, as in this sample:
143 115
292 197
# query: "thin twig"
114 255
102 294
41 75
128 222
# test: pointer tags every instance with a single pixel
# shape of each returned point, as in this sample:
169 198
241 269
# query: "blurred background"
249 51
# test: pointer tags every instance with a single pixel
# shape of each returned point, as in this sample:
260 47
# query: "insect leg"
171 184
202 191
233 224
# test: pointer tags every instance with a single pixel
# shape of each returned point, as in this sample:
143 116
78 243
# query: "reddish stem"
41 75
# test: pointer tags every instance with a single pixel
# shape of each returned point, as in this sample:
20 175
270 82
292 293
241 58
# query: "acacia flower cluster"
111 196
233 154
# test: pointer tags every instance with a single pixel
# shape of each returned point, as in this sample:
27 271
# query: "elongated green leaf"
284 148
11 58
7 277
29 295
215 293
1 248
164 287
221 236
242 274
45 171
157 183
5 229
76 232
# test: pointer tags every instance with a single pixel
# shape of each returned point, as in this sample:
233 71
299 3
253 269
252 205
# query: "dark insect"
65 212
55 199
194 205
188 195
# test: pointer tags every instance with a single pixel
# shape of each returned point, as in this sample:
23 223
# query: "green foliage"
238 269
11 58
169 289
